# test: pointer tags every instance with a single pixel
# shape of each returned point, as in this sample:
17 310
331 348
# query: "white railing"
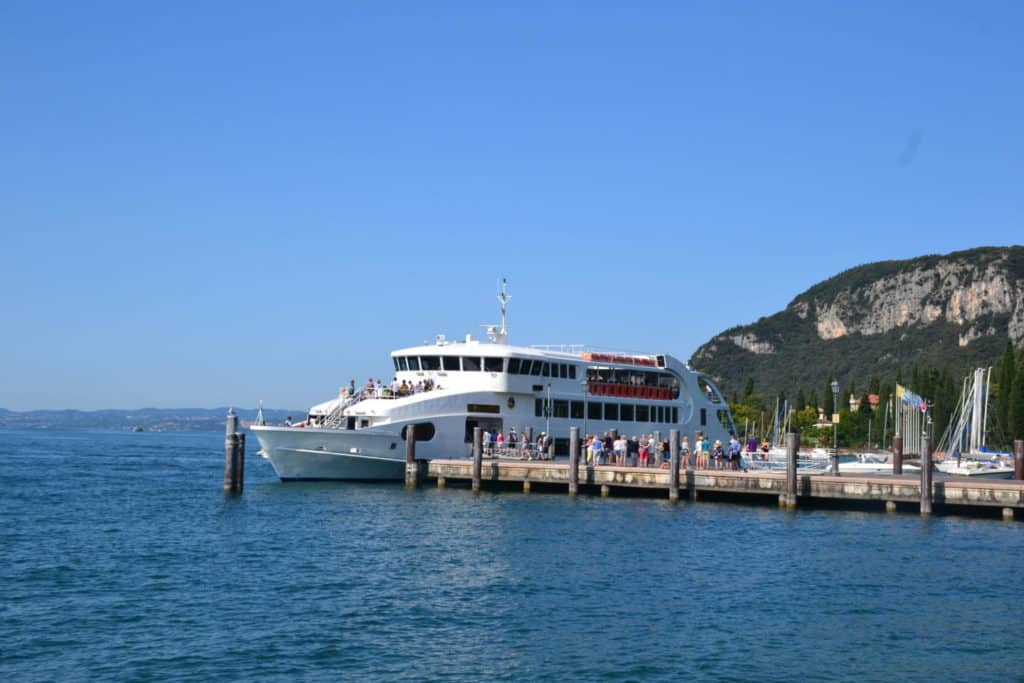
517 451
336 418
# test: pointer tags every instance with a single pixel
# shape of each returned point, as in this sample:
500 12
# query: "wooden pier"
948 494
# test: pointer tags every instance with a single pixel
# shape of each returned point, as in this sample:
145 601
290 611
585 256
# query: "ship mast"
499 335
504 298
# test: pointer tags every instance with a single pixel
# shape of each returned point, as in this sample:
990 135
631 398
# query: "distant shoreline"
149 419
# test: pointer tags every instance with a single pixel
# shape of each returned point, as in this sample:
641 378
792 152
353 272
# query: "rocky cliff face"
947 311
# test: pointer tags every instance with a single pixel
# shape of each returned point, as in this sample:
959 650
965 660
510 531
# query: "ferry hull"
320 454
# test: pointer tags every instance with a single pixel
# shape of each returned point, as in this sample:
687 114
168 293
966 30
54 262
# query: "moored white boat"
964 440
972 467
497 387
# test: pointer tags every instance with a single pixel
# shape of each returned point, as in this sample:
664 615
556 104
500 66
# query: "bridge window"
494 364
450 362
572 372
430 362
513 366
470 364
403 364
537 367
414 363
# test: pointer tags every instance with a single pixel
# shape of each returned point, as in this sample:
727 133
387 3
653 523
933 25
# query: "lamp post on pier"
547 412
586 410
835 428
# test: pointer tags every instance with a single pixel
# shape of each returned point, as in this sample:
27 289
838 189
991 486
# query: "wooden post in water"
412 470
657 449
231 463
1018 459
478 454
574 460
897 454
926 475
673 464
234 455
788 499
241 461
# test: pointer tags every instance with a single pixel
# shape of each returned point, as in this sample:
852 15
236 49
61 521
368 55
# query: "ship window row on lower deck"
515 366
598 410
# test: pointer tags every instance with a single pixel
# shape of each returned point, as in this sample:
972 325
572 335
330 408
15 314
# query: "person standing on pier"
684 452
734 452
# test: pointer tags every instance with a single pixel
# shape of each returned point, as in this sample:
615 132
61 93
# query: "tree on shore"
1004 391
1016 417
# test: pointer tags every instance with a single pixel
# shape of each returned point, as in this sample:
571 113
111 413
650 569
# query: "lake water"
120 558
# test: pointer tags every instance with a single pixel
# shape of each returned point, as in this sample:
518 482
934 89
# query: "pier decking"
948 494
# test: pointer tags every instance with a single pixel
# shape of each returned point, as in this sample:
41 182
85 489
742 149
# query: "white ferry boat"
495 386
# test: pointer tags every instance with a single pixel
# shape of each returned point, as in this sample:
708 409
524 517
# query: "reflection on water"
122 559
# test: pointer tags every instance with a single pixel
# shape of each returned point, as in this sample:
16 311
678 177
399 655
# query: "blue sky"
205 204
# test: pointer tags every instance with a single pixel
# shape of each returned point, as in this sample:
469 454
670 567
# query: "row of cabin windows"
643 378
516 366
620 412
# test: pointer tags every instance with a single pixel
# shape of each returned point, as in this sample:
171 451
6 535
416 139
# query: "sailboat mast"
984 414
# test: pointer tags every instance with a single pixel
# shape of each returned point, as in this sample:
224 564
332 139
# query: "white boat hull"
322 454
966 469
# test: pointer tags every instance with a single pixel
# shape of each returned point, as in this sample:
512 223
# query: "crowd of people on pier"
644 450
520 445
647 451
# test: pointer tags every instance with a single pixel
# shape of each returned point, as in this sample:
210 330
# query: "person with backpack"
718 454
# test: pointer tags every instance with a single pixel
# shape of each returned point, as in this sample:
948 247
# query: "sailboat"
964 438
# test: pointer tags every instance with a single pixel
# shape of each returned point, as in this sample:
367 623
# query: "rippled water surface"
120 558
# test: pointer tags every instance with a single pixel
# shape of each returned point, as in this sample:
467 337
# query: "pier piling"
1018 459
234 455
897 454
792 448
478 453
574 460
673 464
412 468
926 475
241 461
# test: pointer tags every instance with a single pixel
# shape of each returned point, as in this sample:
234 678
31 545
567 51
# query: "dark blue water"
120 558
